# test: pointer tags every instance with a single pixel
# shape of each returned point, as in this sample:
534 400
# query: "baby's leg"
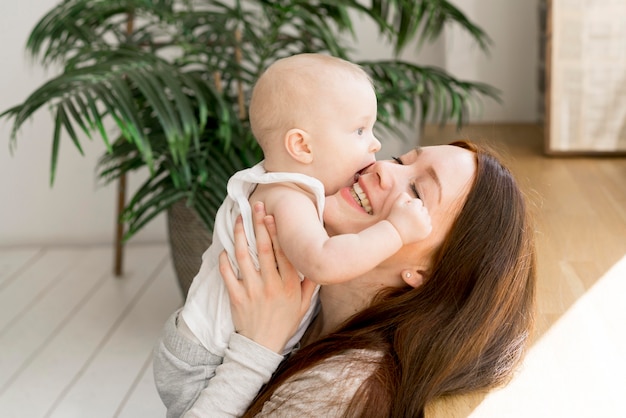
182 369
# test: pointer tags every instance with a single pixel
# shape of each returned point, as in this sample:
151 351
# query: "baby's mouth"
361 198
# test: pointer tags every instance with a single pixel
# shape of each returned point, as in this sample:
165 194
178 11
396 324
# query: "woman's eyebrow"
433 174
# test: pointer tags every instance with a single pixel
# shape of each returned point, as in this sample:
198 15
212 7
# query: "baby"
313 115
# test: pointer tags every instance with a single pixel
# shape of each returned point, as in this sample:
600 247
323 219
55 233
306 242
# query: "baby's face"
343 136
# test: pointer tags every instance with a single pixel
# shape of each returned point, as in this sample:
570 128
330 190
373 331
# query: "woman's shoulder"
326 388
346 371
355 362
353 358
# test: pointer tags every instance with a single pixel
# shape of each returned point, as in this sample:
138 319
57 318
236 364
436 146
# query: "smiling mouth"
361 198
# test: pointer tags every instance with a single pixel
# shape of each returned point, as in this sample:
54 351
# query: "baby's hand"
410 218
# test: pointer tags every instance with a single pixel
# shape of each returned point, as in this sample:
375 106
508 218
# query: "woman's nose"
382 172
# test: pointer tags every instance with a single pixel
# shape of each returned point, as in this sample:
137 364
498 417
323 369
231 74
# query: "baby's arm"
325 259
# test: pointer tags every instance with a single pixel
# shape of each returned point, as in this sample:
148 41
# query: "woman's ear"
414 278
297 144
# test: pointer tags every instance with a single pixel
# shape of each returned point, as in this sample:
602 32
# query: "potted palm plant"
164 83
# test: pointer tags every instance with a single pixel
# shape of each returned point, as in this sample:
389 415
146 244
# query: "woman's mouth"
361 198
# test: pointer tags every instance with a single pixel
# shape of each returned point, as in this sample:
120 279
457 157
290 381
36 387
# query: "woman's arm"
267 307
325 390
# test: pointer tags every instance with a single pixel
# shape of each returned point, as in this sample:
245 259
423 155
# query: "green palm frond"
74 25
121 85
201 182
210 167
404 89
167 79
402 21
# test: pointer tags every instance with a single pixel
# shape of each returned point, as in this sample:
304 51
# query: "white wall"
511 66
77 210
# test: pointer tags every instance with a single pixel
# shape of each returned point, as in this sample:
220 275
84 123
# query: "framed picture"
584 42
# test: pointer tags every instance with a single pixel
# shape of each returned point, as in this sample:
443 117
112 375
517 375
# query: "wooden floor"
76 341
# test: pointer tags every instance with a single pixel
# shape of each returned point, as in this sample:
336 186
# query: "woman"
448 315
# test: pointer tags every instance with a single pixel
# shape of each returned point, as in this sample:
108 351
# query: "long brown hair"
464 329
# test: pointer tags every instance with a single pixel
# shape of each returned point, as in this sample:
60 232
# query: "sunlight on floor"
578 367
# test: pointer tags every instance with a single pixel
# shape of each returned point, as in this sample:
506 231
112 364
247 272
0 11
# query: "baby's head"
315 114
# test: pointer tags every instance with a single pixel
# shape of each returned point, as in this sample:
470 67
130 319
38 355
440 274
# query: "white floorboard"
125 352
12 260
79 341
29 332
22 292
144 400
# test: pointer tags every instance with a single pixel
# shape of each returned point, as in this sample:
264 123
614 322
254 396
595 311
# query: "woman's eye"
414 190
412 186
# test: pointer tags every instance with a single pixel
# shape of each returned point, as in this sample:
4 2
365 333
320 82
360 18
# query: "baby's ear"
297 144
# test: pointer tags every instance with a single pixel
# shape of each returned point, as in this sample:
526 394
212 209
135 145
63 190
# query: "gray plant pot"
188 238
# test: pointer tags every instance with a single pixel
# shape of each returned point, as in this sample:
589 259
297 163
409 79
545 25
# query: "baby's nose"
375 146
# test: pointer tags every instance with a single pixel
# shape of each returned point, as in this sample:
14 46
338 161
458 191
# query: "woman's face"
439 175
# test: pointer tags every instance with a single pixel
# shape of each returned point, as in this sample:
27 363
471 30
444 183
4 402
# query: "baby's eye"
398 160
359 131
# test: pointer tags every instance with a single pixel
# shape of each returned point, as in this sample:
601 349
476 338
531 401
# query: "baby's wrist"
395 231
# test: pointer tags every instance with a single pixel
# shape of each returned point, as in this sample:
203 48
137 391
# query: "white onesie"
207 308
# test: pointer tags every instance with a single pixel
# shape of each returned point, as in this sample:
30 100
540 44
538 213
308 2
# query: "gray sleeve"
246 368
182 368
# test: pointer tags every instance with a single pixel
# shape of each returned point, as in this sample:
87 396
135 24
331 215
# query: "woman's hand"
266 306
